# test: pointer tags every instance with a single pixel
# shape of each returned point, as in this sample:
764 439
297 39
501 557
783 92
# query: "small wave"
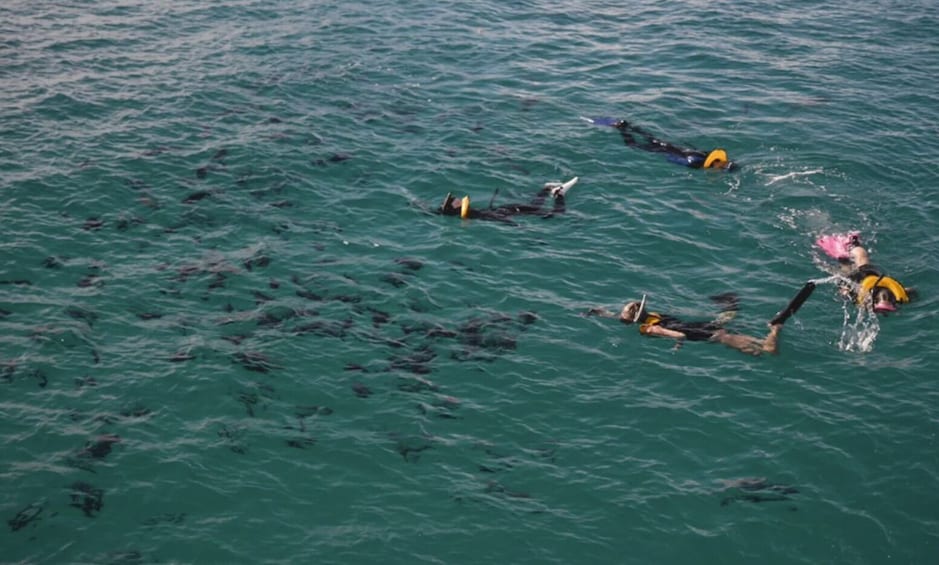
793 175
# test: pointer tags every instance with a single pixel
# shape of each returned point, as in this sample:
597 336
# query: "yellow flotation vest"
718 157
870 282
652 319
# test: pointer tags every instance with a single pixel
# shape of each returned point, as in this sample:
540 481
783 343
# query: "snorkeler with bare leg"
654 324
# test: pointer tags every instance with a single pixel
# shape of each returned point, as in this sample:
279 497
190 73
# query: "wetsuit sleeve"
673 153
691 159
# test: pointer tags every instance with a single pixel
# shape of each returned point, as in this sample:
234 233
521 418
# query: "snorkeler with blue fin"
634 136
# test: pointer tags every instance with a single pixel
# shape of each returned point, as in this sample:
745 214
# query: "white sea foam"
793 175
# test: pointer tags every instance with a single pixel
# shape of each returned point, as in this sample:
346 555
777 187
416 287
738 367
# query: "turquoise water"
231 332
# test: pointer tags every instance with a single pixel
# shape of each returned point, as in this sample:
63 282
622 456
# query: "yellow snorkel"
716 158
465 208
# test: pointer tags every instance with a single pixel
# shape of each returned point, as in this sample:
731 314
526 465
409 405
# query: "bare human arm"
659 331
602 312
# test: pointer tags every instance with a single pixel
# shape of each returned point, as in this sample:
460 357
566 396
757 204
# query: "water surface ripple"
230 331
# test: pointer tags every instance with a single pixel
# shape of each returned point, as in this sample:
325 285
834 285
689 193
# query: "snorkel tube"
642 306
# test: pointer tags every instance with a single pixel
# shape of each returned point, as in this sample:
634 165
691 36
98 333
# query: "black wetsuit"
680 155
857 276
864 271
694 331
882 281
505 212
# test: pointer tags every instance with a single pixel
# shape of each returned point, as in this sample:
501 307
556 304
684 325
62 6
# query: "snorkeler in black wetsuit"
661 325
461 206
716 159
693 331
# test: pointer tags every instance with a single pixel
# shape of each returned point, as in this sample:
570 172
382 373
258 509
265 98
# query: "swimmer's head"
632 311
883 300
717 159
452 206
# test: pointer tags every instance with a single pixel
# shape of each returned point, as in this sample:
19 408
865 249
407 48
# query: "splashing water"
857 335
860 335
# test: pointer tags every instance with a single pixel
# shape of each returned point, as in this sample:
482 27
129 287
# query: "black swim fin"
794 304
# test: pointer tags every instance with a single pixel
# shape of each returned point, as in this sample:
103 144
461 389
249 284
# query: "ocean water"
231 331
